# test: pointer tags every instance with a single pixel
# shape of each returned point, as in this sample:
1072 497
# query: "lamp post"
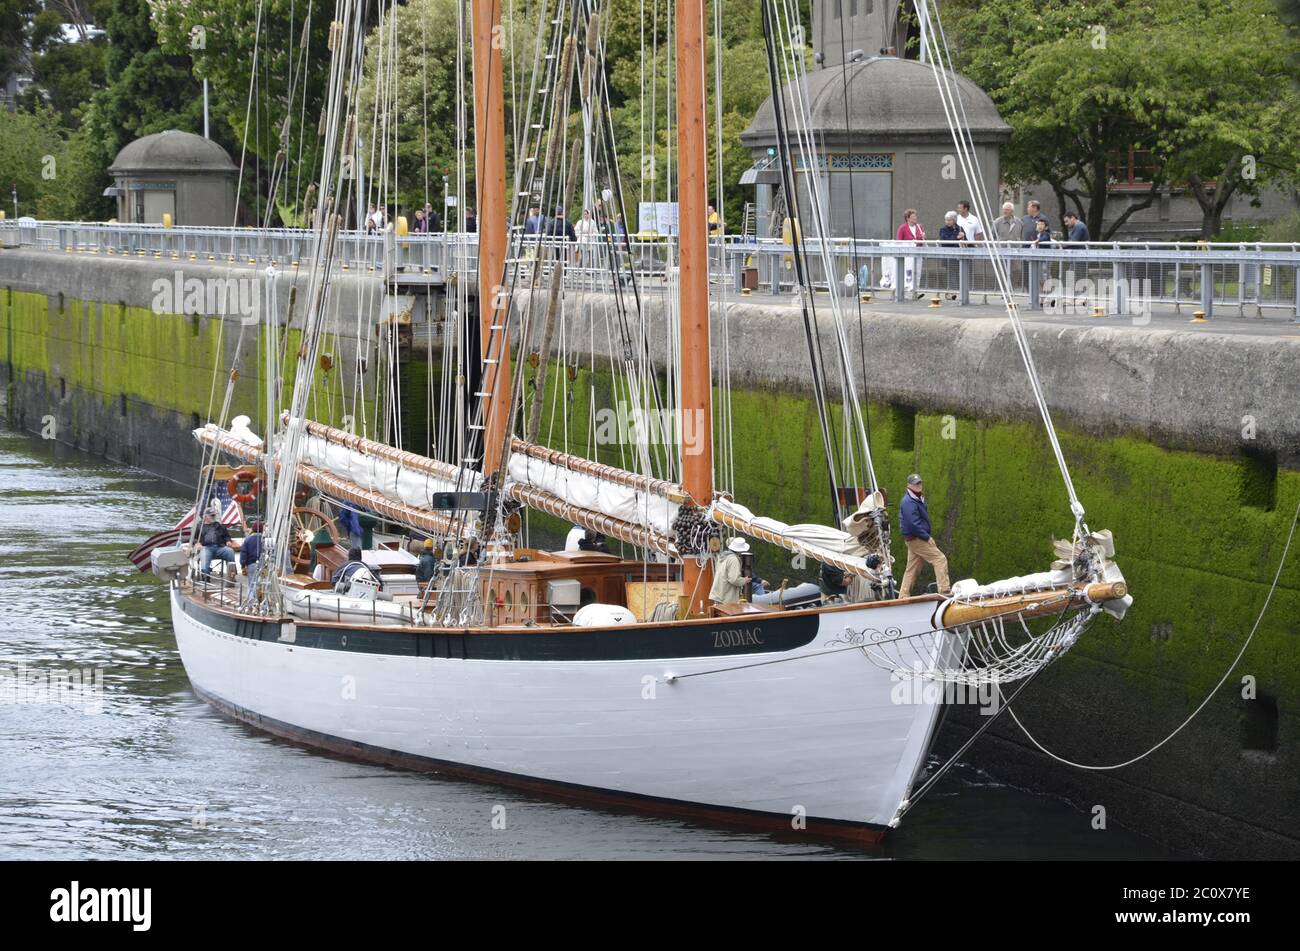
446 211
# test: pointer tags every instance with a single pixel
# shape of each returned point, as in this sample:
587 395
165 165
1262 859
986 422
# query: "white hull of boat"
830 737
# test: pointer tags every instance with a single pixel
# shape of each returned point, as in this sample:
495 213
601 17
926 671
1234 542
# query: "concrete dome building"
882 138
177 173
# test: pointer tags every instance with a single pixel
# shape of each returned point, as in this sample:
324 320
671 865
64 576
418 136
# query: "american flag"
172 536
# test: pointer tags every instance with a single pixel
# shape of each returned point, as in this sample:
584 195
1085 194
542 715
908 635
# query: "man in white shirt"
968 222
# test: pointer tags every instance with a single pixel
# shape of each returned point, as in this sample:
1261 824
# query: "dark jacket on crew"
350 569
1030 224
251 549
427 567
950 235
214 536
561 228
1078 233
832 580
914 517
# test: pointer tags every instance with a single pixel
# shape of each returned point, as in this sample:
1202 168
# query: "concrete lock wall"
110 355
1151 422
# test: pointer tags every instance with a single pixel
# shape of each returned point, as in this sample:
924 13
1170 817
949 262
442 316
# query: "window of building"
1132 169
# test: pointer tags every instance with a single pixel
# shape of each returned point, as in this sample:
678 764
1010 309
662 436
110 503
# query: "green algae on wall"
113 350
166 361
1197 547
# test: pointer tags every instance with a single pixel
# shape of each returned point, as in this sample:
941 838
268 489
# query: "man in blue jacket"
914 526
1076 234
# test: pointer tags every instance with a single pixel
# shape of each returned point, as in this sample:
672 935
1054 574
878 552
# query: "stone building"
883 143
177 173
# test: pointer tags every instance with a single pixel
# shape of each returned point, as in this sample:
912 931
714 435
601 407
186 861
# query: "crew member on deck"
215 539
250 550
350 522
428 565
354 564
914 526
593 540
728 579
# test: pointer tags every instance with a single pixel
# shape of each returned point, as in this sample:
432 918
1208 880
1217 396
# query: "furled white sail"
584 490
820 542
390 478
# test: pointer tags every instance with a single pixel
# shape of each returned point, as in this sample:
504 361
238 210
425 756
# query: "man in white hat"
914 526
729 580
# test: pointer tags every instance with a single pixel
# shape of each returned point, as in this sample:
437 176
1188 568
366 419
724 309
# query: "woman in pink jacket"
910 229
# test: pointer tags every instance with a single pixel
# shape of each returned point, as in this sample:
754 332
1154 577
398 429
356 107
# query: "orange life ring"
244 486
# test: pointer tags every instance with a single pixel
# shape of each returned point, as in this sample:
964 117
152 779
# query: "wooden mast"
490 183
696 404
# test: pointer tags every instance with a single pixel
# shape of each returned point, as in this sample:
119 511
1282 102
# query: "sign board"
657 217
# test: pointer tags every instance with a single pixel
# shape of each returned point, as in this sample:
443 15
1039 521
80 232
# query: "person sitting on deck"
592 540
428 565
343 577
833 581
729 580
215 539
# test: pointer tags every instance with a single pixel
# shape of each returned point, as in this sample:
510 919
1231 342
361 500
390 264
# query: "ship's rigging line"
1277 575
792 199
854 425
940 62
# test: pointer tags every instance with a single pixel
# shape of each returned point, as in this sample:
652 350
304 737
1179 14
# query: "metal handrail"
1259 274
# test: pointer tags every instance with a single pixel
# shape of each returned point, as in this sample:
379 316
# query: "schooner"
585 675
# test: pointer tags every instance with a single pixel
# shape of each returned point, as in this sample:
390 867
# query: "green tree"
1239 133
413 108
1081 83
149 88
271 111
40 161
15 27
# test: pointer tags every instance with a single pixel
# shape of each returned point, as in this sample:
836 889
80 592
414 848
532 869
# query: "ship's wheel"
304 527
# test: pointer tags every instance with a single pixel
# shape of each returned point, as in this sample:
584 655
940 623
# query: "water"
157 774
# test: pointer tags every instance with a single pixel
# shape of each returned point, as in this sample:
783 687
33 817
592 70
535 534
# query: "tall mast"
696 404
490 183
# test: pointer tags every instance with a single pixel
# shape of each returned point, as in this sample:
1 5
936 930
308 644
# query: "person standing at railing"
432 223
1076 232
971 226
715 223
1007 226
421 224
1029 224
910 230
951 235
586 232
471 221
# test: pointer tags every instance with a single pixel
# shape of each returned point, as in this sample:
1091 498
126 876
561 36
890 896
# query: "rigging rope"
1295 519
